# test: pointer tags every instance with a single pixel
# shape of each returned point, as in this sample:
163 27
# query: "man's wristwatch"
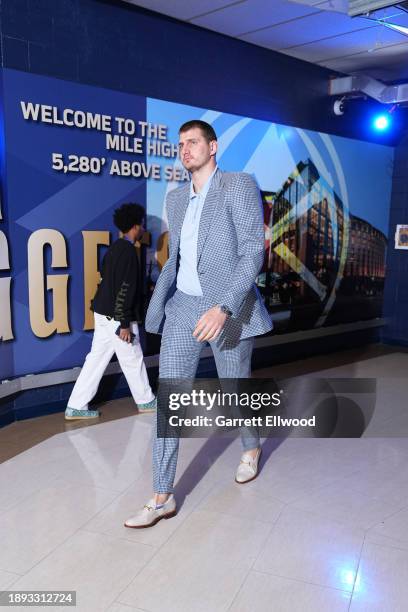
226 310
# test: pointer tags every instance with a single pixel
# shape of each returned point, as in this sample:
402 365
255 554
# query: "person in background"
117 310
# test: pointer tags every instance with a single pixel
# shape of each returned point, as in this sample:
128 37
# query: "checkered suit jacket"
230 252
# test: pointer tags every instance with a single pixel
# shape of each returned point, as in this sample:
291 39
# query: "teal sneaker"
149 407
72 414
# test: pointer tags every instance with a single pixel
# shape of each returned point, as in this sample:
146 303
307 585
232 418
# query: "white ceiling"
318 31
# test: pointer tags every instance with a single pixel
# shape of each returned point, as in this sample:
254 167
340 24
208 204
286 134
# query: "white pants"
130 356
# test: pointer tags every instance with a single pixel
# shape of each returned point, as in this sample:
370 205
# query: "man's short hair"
128 215
206 129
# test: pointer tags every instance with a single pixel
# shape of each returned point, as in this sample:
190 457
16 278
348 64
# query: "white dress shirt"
187 277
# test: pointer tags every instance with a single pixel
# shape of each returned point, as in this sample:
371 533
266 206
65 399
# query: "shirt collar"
206 186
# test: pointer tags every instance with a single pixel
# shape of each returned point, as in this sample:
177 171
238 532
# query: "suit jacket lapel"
207 214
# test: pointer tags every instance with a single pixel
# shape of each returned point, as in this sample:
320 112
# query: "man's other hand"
210 324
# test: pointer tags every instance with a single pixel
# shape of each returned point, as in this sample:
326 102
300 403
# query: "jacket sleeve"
127 273
247 217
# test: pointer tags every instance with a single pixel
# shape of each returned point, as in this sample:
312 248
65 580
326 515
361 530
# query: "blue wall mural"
74 152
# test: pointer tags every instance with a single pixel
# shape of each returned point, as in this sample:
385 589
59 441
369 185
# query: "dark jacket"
119 294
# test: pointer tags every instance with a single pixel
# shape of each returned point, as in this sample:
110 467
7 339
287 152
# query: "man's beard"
194 167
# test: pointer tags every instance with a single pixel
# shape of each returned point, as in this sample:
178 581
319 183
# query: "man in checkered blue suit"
206 293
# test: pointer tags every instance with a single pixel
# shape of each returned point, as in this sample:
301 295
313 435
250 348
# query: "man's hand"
210 325
124 334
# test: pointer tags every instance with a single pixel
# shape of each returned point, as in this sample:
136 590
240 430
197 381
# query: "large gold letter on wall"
162 250
6 332
92 276
57 283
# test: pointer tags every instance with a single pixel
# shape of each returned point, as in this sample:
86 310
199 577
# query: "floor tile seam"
60 544
380 497
15 574
135 576
388 516
394 513
18 576
272 527
239 589
142 474
102 508
229 514
88 485
158 550
25 498
254 560
205 495
120 603
385 546
278 500
132 484
260 521
131 487
113 601
47 555
189 513
93 485
337 521
139 609
317 584
171 535
357 570
46 463
356 473
120 537
193 509
392 545
369 499
322 487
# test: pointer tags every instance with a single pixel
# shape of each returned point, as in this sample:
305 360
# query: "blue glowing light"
382 122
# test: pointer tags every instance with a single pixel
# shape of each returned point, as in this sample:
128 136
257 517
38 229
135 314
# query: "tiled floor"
324 526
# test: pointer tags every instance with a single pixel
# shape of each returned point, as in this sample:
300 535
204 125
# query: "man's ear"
213 147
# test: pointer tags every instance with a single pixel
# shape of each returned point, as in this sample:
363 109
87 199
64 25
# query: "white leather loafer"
248 468
149 515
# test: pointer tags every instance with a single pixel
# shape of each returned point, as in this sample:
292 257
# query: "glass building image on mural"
318 257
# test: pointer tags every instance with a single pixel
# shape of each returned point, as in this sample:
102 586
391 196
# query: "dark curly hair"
128 215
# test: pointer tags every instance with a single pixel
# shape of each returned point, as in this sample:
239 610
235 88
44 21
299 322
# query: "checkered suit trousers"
179 357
